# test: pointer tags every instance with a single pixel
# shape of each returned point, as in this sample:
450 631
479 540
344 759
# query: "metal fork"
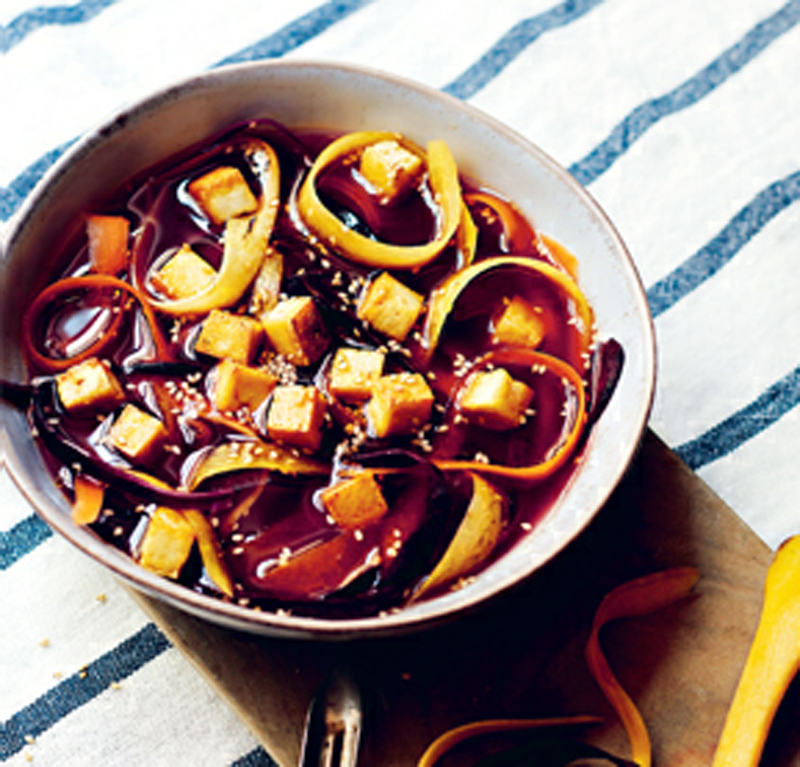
333 725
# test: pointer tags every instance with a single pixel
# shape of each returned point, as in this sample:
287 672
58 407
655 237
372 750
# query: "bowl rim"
277 623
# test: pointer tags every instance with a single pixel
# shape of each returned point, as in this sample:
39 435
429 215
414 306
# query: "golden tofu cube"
223 193
235 385
390 307
495 400
89 385
296 416
137 435
391 169
229 336
296 330
166 543
401 404
356 501
518 324
354 373
184 274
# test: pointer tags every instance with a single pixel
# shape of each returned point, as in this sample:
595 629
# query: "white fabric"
723 347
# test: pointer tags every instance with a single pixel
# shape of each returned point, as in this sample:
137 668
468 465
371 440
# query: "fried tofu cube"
137 435
356 501
89 385
184 274
354 373
390 307
229 336
223 193
401 403
296 416
495 400
518 324
390 168
166 543
235 385
296 330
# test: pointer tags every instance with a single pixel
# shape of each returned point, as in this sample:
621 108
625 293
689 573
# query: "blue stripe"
514 42
704 264
284 40
643 117
256 758
11 197
35 18
21 539
743 425
74 692
298 32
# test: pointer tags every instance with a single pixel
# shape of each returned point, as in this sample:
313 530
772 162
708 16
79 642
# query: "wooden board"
522 654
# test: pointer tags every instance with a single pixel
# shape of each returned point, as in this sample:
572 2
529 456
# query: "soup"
318 373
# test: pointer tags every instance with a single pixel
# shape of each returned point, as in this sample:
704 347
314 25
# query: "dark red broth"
324 570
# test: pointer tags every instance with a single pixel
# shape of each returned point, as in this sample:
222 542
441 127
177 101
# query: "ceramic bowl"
340 97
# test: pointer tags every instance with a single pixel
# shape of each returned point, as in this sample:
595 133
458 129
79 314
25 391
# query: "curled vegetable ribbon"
457 735
538 471
443 175
53 293
475 537
517 231
210 551
245 242
88 501
444 297
637 597
254 455
772 663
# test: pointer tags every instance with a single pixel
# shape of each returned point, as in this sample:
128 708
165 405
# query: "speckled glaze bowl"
344 98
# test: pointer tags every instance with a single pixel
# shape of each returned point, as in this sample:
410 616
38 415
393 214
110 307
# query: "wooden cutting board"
522 654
